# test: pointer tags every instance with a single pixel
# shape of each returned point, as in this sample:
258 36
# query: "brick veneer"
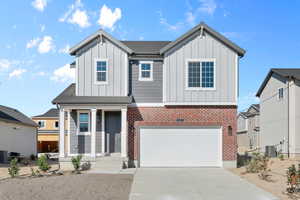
224 116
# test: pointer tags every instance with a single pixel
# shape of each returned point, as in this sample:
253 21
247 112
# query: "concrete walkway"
193 184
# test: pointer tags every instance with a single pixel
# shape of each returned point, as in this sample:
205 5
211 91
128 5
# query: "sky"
37 34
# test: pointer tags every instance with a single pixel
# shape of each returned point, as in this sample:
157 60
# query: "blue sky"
35 35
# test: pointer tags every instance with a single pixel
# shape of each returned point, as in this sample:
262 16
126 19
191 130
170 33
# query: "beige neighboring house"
279 97
18 133
248 129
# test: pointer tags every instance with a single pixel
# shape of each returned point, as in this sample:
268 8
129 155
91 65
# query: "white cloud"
40 73
245 101
207 6
63 74
80 18
141 38
75 15
190 18
43 27
5 64
46 45
32 43
169 26
65 50
40 5
17 73
108 18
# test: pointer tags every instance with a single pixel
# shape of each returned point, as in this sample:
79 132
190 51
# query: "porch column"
124 133
103 132
61 133
93 132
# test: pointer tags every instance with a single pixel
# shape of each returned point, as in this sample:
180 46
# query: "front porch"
96 132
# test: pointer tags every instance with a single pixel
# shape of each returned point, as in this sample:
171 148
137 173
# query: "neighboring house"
48 131
279 110
248 129
153 103
18 133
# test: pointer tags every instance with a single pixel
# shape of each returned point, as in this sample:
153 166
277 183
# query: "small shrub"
43 163
292 179
32 157
14 169
76 161
34 172
259 164
264 170
281 157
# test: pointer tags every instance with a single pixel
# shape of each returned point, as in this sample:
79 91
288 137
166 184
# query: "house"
153 103
48 131
248 129
279 96
18 133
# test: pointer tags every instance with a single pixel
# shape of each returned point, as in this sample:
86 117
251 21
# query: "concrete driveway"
193 184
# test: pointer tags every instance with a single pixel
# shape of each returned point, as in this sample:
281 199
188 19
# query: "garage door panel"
180 147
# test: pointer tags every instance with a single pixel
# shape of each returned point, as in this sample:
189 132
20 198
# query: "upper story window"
41 124
280 93
146 71
56 124
201 74
83 123
101 71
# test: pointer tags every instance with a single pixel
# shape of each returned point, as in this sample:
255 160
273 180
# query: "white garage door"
181 147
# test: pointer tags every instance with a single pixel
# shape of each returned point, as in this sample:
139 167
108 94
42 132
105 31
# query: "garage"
180 147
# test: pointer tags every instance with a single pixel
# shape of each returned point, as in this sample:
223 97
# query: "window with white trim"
146 71
280 93
41 124
56 124
101 71
200 74
84 122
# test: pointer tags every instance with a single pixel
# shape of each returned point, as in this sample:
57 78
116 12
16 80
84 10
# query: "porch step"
108 164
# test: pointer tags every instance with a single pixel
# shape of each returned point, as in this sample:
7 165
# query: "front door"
113 132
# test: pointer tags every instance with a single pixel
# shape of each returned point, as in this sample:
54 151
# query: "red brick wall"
193 116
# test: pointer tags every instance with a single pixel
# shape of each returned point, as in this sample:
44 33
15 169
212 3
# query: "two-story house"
279 96
48 131
248 129
153 103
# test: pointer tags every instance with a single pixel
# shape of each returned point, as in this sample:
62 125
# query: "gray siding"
86 69
146 91
241 124
273 114
197 48
82 143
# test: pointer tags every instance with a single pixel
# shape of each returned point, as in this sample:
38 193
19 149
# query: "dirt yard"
24 170
82 186
277 185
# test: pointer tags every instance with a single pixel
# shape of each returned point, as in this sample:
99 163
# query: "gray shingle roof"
53 112
14 116
287 73
68 97
146 47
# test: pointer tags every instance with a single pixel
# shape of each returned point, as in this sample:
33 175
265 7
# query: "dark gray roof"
286 73
68 97
146 47
53 112
14 116
211 31
248 113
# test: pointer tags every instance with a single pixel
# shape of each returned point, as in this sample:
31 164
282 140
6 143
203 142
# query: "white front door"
181 147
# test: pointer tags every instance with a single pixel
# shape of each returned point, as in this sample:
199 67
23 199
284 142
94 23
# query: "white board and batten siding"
197 47
18 138
181 147
117 62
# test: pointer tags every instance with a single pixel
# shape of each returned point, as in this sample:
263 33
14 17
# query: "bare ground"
82 186
277 184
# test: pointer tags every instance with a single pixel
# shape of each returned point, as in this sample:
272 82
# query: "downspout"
288 116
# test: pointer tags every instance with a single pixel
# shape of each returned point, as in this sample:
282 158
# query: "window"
280 93
101 71
145 71
200 74
56 124
229 131
83 120
41 124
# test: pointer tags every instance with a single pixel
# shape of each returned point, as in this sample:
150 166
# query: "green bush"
76 161
257 163
281 157
42 163
14 169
